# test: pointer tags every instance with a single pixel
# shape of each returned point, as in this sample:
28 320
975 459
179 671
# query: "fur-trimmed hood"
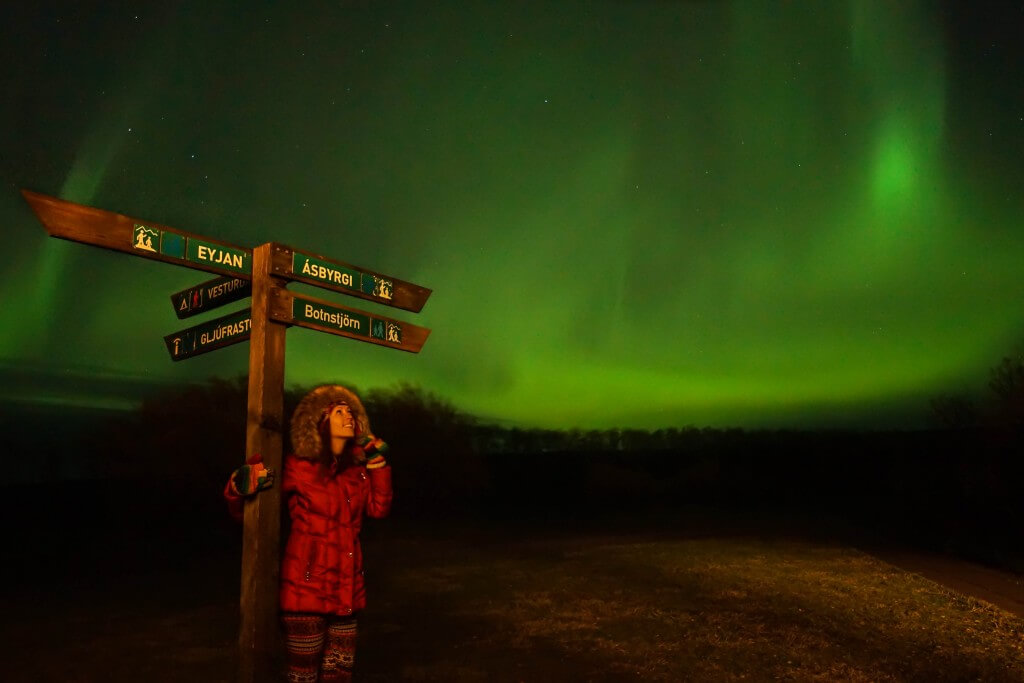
305 433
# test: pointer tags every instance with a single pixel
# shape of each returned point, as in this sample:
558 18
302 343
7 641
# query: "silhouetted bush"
196 433
436 468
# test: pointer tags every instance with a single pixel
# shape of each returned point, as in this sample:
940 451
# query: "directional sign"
348 279
214 334
110 230
346 322
210 295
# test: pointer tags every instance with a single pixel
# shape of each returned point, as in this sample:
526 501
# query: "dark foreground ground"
697 596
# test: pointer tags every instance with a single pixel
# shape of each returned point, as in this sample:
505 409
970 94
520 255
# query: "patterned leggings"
309 660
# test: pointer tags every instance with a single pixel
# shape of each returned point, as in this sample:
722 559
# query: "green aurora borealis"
631 213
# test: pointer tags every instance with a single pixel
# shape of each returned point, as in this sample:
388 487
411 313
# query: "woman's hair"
306 421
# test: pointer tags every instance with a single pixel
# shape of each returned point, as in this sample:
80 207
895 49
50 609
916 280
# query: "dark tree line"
960 490
494 439
1001 408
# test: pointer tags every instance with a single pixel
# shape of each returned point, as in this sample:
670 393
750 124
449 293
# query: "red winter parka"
322 566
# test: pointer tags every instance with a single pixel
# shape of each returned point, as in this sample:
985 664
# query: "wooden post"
259 635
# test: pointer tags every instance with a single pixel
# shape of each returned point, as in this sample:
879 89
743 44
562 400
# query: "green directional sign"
325 271
348 279
172 244
220 255
210 295
325 315
386 330
211 335
347 322
147 240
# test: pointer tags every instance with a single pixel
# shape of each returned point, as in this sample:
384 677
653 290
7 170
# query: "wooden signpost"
264 273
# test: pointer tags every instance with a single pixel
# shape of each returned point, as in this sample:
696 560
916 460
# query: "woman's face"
343 425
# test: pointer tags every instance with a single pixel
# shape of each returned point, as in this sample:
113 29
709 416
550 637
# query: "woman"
335 473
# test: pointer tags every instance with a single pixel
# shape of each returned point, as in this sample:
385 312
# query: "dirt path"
1002 589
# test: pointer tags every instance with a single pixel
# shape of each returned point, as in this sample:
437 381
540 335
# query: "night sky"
631 213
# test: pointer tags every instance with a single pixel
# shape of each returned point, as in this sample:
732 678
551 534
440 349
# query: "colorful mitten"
251 477
374 450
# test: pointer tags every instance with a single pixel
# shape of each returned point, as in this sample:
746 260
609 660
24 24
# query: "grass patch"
489 605
708 609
